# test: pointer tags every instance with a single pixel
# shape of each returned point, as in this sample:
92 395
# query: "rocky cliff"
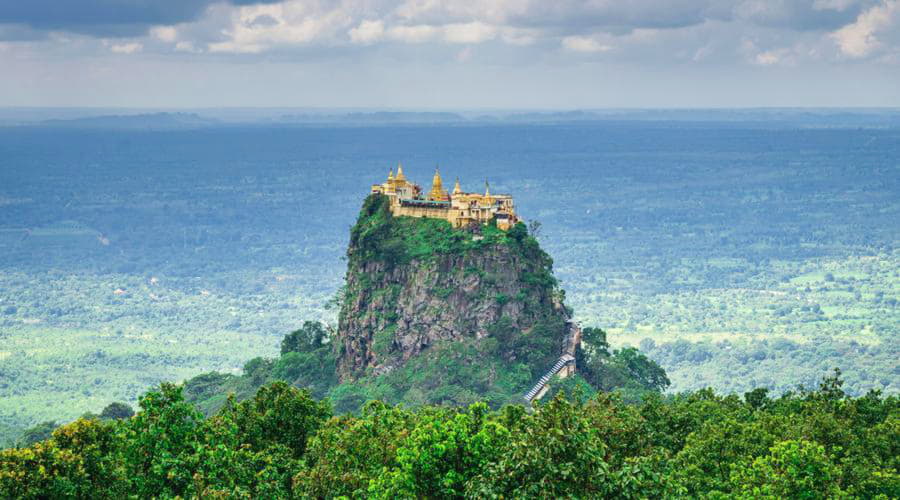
413 284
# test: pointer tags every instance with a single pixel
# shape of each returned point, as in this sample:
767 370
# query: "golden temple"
459 208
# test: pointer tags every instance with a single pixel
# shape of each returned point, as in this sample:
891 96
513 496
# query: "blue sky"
450 54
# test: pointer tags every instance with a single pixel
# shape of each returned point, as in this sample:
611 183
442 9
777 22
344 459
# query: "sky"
450 54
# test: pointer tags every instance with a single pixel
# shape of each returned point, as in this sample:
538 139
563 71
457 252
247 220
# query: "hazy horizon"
25 115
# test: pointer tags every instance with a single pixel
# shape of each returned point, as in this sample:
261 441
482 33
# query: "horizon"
275 115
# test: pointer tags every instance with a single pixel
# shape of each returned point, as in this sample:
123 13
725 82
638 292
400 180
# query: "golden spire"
487 193
400 176
436 181
437 187
456 188
391 175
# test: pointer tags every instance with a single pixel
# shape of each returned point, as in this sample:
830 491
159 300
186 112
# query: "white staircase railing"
563 360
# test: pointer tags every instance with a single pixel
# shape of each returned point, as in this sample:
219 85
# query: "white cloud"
292 23
232 47
692 31
186 47
584 44
769 57
413 34
126 48
520 36
367 32
861 38
164 33
474 32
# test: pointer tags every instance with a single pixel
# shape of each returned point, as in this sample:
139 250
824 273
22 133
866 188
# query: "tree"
257 370
443 452
117 411
277 414
757 398
348 452
793 469
642 369
534 228
552 454
558 452
159 444
310 336
79 461
253 448
39 432
282 443
595 340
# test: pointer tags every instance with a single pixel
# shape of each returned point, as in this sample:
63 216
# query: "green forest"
283 443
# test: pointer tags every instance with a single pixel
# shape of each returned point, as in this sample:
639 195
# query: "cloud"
783 32
803 15
367 32
186 47
861 38
263 20
126 48
20 33
771 57
370 31
105 18
474 32
413 34
584 44
294 23
568 15
164 33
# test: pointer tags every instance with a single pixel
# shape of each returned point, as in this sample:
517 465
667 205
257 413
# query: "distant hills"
161 120
213 117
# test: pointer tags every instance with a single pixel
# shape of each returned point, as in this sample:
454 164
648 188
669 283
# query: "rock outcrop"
414 283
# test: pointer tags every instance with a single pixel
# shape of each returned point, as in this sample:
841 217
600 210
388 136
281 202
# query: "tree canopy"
283 443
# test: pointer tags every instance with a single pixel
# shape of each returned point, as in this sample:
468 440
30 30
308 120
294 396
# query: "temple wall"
439 213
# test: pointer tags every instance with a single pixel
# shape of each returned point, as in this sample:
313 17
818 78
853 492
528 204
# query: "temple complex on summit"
458 208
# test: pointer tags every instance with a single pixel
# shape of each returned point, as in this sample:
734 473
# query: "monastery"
458 208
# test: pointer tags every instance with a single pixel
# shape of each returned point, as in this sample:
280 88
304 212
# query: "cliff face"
413 283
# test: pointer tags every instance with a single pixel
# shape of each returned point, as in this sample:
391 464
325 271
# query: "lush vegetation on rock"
379 236
496 370
435 314
283 443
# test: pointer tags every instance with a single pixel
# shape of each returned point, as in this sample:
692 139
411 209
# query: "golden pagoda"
461 209
437 192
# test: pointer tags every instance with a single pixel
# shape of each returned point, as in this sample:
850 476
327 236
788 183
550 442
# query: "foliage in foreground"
282 443
495 370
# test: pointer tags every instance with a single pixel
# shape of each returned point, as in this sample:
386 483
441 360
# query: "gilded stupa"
459 208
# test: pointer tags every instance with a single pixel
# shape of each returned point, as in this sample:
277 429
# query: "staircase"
535 391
